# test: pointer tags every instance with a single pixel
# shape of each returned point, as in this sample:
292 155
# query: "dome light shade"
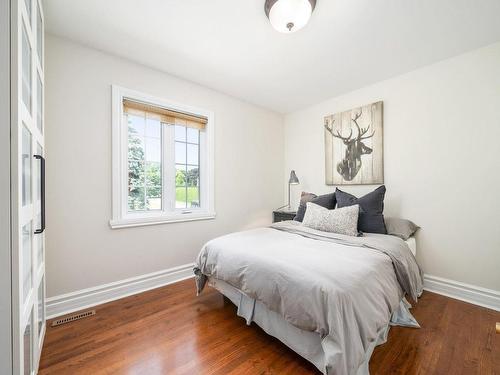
288 16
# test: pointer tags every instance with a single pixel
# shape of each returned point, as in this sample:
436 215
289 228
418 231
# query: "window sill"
163 219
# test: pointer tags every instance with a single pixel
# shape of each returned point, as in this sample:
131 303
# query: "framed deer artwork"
354 150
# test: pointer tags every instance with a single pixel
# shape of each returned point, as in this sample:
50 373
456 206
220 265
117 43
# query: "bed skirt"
306 343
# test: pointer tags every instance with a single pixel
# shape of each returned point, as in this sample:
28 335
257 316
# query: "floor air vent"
72 318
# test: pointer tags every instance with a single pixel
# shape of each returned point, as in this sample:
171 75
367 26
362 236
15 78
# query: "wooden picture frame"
354 149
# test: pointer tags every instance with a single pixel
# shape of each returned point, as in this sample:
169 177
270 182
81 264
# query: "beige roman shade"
163 114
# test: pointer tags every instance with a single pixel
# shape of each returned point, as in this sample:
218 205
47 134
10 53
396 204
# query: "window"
162 161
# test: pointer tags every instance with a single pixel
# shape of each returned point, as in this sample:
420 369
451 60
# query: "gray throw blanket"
344 288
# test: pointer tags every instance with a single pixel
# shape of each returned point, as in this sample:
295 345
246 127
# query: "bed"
331 298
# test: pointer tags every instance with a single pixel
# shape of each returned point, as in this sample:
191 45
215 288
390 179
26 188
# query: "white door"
5 201
28 164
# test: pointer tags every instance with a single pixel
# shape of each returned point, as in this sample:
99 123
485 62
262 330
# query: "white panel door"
28 168
5 195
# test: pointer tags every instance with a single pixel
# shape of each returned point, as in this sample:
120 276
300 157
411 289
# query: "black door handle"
42 192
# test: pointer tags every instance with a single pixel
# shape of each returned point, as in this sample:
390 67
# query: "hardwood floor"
171 331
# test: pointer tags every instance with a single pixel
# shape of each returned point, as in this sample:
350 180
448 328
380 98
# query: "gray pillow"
371 212
326 200
341 221
401 228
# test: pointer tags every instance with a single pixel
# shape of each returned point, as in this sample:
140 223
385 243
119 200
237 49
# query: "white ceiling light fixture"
288 16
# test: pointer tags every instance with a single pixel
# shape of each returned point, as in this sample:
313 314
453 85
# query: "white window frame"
121 217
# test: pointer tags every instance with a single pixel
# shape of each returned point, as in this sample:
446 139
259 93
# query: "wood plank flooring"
171 331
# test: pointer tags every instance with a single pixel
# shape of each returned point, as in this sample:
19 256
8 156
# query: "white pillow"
341 220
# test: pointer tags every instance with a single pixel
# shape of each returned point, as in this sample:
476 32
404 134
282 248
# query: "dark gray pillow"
326 200
371 214
401 228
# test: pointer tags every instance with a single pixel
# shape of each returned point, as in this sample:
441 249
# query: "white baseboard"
465 292
85 298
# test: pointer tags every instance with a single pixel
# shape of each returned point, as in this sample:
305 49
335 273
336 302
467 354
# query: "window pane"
153 128
192 182
136 180
192 176
38 174
180 197
193 135
41 302
153 149
28 346
180 190
193 197
39 242
26 71
180 175
26 167
153 174
136 125
136 198
39 105
144 164
180 153
26 233
28 8
192 154
180 133
153 197
39 36
135 148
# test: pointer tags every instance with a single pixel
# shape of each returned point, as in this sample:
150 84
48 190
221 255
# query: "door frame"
6 345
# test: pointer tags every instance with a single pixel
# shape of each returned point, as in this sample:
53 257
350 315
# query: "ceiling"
229 45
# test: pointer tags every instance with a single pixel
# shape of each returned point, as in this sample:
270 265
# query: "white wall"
442 159
82 251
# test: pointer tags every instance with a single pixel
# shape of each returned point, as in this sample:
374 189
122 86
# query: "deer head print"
350 165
